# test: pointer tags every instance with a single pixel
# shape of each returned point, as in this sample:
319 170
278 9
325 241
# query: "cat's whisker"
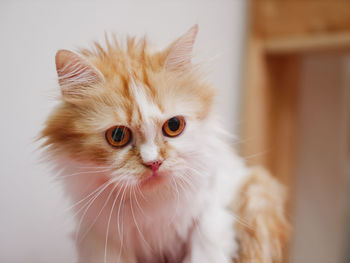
98 215
120 190
115 180
190 171
89 195
88 204
183 188
93 167
110 181
177 201
108 225
185 180
177 193
192 168
137 202
121 234
141 193
83 172
133 215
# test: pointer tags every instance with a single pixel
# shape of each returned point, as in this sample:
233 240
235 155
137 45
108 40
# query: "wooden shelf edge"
310 43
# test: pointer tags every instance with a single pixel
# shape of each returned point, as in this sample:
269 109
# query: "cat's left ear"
76 75
179 53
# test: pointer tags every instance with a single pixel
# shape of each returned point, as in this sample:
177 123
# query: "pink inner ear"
181 52
74 70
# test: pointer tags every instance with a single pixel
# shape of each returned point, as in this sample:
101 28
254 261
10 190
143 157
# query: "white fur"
184 217
192 216
148 150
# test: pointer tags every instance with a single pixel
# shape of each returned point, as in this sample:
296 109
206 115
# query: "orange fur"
76 128
70 128
263 230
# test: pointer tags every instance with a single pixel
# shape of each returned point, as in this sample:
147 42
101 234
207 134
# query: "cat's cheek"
118 155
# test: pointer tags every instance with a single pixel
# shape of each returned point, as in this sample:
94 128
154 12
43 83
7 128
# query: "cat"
150 171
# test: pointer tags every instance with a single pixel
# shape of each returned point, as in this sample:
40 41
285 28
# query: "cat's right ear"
76 75
179 54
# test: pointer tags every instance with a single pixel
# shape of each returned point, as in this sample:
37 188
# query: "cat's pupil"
118 134
174 124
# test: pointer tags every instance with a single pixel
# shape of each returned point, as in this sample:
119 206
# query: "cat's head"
141 114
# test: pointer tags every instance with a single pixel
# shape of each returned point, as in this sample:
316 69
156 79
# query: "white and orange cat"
149 170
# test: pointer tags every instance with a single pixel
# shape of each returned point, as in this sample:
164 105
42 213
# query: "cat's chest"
162 241
164 259
162 237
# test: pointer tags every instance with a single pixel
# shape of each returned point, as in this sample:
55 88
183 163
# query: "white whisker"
137 202
98 215
86 197
121 234
97 172
177 200
137 226
91 201
108 225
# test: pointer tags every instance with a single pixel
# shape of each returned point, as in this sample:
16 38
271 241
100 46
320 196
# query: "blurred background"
282 72
296 112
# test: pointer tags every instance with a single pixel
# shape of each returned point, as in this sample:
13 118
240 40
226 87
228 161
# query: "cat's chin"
152 179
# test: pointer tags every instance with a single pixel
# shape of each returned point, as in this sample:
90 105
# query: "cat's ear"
179 53
75 74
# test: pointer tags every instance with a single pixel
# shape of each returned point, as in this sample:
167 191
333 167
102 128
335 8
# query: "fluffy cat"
149 170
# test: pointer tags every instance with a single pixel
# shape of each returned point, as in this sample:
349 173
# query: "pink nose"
154 165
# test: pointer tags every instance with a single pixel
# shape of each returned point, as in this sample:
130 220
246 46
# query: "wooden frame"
281 33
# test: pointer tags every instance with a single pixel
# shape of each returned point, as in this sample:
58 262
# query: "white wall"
33 224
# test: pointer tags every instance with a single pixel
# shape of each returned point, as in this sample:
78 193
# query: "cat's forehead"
147 108
146 114
141 92
134 103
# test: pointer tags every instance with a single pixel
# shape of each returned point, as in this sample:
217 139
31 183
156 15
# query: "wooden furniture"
294 47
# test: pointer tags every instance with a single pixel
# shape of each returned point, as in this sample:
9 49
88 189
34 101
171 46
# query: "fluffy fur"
125 213
264 230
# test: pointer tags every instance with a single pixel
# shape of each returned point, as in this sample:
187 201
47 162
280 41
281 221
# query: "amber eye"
118 136
174 126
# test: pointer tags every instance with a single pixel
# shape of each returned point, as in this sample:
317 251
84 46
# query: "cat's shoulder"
262 229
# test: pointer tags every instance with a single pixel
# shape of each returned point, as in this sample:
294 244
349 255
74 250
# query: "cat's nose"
153 165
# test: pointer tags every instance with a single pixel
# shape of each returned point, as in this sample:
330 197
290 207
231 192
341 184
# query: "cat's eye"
174 126
118 136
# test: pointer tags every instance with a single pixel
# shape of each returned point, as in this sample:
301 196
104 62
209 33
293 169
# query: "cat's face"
143 116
